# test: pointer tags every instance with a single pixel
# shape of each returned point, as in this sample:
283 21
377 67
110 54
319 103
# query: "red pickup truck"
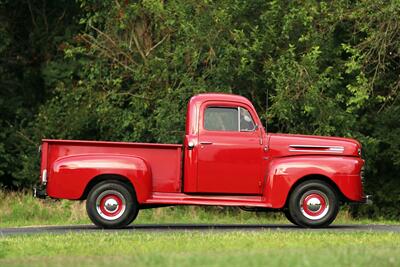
227 159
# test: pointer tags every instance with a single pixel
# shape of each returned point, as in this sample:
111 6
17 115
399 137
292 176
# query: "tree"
127 70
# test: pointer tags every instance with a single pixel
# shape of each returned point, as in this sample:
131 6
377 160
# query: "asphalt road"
194 227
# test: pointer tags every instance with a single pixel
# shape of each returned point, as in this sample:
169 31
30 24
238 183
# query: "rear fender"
70 175
284 173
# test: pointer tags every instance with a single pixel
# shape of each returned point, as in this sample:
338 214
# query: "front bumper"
39 192
367 199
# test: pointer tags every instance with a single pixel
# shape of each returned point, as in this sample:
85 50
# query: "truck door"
229 150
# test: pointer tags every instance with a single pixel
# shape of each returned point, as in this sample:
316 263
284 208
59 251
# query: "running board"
211 200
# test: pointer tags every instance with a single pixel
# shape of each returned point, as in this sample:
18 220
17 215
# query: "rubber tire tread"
294 207
289 217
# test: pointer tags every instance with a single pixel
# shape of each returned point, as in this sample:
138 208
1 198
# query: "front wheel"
313 204
289 217
111 205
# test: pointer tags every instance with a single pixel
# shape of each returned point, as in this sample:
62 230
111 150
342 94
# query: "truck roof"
200 98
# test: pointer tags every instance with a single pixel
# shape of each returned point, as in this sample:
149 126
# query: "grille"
362 176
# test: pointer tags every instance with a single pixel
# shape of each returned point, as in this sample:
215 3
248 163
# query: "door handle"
190 145
206 143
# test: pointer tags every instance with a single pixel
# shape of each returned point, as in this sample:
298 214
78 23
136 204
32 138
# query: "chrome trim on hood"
316 148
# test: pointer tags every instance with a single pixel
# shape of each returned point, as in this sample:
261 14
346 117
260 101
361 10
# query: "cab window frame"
238 110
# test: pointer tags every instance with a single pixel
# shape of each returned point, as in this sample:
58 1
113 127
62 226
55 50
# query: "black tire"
288 216
111 204
313 204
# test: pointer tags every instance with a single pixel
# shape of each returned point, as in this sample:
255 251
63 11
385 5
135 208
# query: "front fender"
283 173
70 175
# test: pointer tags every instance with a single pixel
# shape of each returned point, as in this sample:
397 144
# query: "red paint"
284 172
150 168
234 159
232 168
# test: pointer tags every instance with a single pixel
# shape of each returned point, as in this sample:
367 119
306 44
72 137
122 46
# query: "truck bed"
164 160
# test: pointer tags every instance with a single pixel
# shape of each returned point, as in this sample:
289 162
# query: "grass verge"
261 248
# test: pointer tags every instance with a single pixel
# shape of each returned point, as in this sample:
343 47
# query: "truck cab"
226 159
225 146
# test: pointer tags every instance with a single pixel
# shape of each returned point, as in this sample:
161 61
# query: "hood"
281 145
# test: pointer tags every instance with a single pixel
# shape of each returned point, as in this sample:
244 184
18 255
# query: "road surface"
194 227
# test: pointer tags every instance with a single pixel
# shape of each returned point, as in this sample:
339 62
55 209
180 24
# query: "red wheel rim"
107 201
110 205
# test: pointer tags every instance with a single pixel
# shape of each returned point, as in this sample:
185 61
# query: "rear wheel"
111 205
313 204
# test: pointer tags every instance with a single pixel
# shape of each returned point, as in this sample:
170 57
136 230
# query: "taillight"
44 177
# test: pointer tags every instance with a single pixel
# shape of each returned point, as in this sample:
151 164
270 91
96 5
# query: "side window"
246 121
228 119
221 119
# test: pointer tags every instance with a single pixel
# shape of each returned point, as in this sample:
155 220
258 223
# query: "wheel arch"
284 174
318 177
72 177
108 177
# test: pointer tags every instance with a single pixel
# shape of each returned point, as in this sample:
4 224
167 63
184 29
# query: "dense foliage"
124 70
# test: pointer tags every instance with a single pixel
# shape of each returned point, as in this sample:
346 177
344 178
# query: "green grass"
21 209
261 248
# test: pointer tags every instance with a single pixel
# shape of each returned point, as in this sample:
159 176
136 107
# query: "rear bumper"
39 192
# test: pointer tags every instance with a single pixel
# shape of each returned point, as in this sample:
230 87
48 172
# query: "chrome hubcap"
111 205
314 205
